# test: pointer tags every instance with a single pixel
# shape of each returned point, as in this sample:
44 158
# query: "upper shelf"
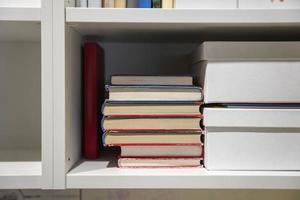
186 24
20 23
24 14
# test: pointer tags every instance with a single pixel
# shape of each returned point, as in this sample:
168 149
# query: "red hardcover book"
93 96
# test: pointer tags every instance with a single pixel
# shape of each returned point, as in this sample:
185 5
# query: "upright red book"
93 96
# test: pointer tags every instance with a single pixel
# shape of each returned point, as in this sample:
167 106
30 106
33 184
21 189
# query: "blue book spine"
145 3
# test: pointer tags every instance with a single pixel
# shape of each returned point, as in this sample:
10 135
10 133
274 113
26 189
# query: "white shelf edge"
94 175
20 14
210 16
20 175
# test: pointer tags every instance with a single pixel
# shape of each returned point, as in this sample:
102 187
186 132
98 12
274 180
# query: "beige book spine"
120 3
167 3
108 3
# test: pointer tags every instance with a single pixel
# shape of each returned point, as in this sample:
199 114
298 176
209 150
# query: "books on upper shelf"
154 93
152 80
115 138
206 4
123 108
151 123
248 72
158 162
161 151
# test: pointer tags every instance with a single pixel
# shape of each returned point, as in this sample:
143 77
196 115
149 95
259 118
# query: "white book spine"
94 3
81 3
206 4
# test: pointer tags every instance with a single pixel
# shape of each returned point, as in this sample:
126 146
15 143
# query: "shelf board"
193 24
32 14
104 174
16 175
20 23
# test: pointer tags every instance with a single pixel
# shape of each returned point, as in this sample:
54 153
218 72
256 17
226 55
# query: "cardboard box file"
269 4
205 4
252 139
247 72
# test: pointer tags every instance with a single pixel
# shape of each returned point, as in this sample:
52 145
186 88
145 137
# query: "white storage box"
245 72
269 4
252 139
206 4
246 51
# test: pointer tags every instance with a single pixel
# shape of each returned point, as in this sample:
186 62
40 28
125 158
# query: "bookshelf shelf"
184 24
23 174
24 14
101 174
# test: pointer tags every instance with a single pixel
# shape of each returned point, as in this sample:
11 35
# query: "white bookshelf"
46 152
24 153
165 36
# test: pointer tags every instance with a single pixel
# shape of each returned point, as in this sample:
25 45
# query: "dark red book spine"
93 96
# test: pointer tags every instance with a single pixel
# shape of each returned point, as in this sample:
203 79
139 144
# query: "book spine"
103 139
81 3
93 81
198 115
156 3
94 3
70 3
120 3
167 3
145 4
108 3
132 4
154 166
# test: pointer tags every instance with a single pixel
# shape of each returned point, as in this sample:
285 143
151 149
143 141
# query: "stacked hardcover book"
155 120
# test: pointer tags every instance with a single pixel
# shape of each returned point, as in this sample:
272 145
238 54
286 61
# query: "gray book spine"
132 3
81 3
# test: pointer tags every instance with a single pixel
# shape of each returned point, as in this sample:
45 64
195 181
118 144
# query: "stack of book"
155 120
